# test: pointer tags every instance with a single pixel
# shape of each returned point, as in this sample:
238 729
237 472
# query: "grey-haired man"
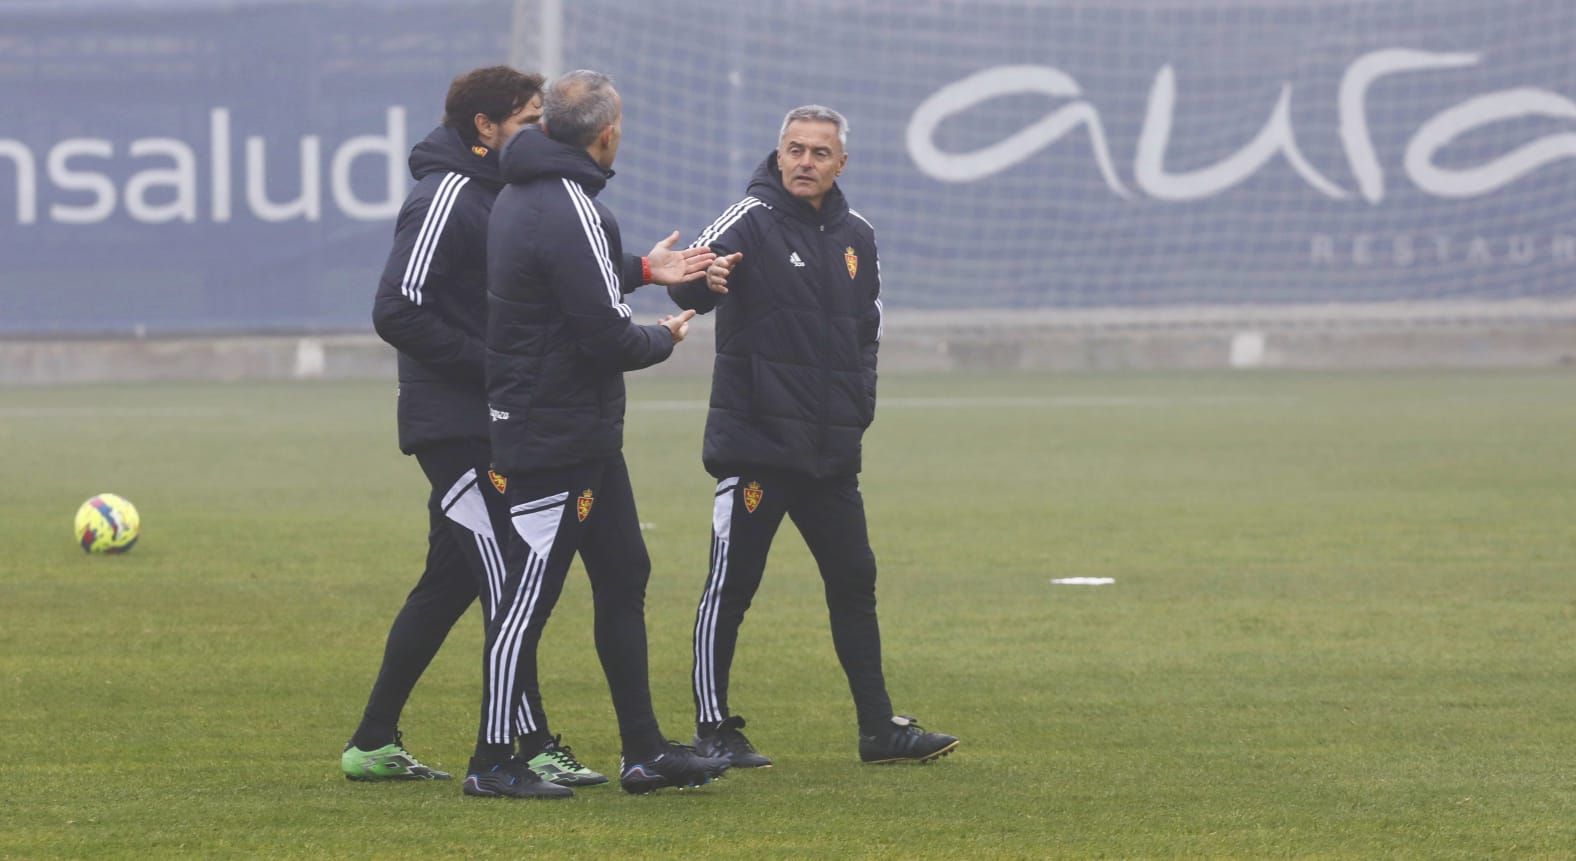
797 289
559 339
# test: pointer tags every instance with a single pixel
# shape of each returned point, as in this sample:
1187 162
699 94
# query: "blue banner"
235 166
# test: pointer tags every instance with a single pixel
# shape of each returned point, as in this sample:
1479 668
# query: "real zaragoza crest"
752 496
499 482
583 504
852 259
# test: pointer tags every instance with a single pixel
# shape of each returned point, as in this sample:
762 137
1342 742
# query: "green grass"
1341 627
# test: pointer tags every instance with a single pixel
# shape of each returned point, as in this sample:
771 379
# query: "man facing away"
432 306
559 339
797 289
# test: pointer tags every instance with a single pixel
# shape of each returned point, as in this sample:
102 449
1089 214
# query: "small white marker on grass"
1247 350
1083 581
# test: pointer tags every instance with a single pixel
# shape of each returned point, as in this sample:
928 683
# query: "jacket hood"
444 150
767 185
532 154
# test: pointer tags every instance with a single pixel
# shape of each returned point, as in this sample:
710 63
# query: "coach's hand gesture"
719 270
678 324
676 267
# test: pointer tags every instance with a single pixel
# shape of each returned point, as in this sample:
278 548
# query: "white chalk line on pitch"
1005 402
1070 401
120 412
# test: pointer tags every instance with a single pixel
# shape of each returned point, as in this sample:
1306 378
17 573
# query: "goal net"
213 165
1130 154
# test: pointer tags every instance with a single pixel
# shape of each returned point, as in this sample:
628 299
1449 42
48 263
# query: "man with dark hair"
797 288
431 306
559 339
493 92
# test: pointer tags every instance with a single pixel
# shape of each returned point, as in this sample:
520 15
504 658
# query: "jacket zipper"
826 336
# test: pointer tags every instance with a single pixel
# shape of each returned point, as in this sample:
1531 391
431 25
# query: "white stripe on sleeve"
727 219
428 237
591 222
590 218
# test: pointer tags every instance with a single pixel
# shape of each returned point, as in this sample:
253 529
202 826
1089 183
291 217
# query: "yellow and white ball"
107 524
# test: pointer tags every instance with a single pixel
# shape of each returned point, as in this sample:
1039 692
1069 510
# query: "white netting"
1056 156
706 83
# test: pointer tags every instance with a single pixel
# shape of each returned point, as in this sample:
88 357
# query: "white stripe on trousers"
498 728
463 504
538 575
711 602
492 562
537 523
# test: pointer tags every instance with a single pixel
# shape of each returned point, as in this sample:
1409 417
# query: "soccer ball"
107 524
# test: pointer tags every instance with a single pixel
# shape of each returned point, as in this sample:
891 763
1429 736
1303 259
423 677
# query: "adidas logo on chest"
793 257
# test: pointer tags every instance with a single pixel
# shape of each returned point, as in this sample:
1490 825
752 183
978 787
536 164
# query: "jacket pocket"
785 390
867 404
732 383
759 403
853 399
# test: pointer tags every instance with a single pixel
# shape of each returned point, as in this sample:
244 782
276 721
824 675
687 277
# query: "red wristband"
645 270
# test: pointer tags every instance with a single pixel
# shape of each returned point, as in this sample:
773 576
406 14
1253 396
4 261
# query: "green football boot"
557 764
389 762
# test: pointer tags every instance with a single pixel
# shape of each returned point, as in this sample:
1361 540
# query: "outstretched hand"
719 270
677 324
670 267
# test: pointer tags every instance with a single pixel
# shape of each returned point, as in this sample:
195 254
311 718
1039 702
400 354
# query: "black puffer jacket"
794 382
431 303
558 334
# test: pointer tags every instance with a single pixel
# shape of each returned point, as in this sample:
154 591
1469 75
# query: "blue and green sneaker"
389 762
557 764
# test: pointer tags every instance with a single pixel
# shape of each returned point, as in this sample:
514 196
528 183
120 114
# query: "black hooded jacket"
559 337
794 382
431 303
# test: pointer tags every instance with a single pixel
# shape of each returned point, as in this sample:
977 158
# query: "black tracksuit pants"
466 514
830 514
587 508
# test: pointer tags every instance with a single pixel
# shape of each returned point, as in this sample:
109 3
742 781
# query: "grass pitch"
1341 627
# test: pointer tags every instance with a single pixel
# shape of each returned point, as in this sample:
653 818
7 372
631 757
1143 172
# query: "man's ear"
483 124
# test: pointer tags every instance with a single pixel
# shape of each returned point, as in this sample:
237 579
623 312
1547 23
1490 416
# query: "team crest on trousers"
752 496
583 504
852 259
500 483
